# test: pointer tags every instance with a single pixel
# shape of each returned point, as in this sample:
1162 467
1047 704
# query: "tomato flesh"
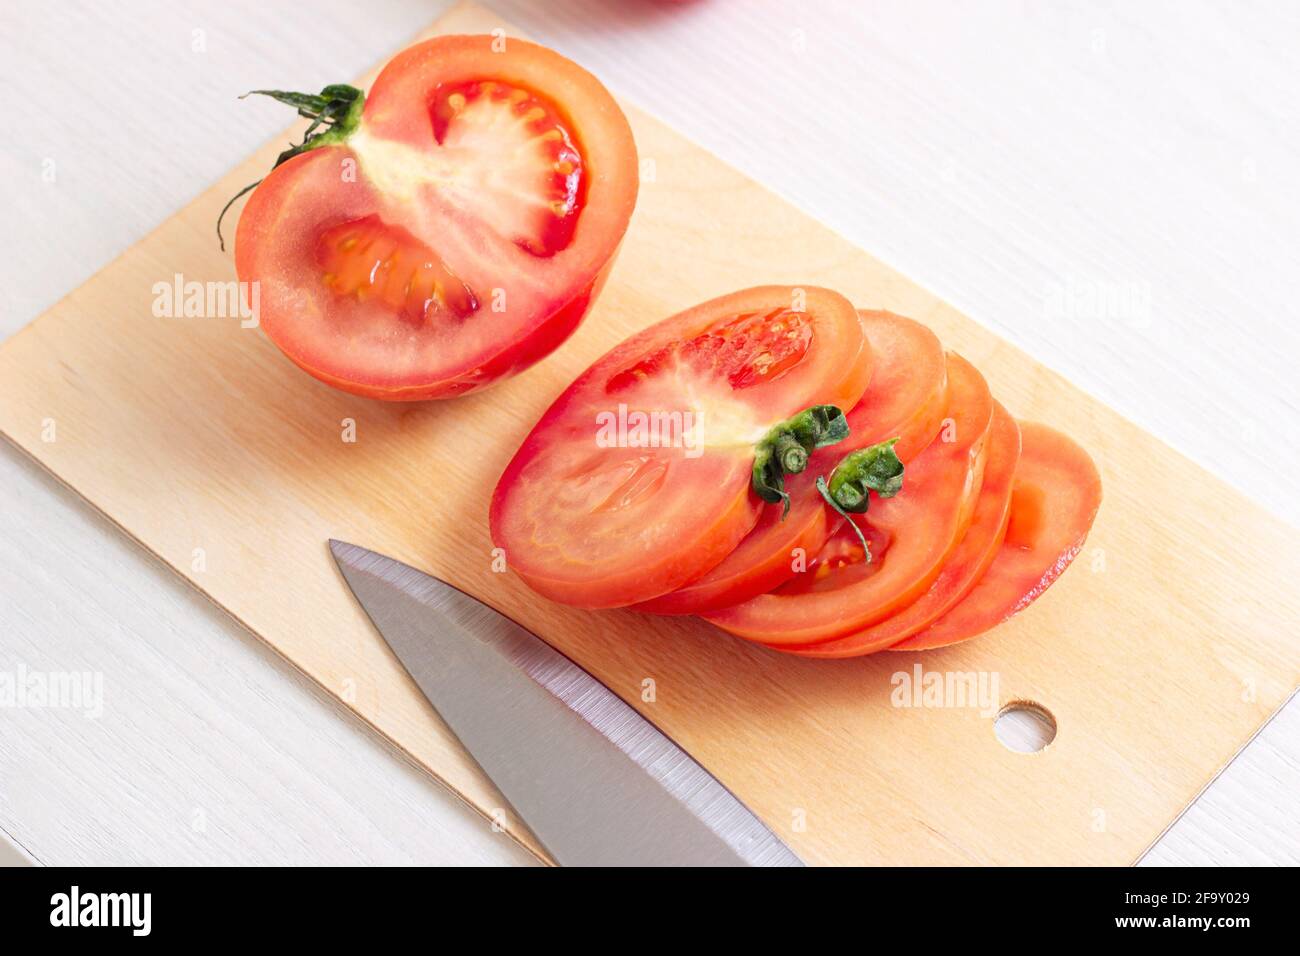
911 536
906 399
365 258
459 234
746 350
528 175
1054 499
967 564
597 522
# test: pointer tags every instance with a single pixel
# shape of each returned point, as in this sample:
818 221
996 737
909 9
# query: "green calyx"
876 468
336 108
784 450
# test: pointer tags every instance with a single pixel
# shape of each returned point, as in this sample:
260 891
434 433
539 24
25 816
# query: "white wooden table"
1112 188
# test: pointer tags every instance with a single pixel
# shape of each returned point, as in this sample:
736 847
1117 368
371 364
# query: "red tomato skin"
549 336
1061 481
518 357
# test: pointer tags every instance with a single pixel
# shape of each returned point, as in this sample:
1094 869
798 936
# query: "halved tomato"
453 231
638 478
910 535
968 562
1054 500
905 400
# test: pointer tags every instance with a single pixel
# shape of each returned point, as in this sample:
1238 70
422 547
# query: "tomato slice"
910 535
457 235
1054 500
637 479
906 400
968 563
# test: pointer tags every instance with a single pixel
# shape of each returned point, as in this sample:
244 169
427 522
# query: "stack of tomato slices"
823 481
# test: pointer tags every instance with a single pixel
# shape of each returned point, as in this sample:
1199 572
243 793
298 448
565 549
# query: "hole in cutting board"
1024 726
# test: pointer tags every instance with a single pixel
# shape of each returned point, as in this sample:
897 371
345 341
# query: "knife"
594 780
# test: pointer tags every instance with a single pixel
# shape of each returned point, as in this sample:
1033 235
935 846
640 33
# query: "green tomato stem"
784 450
876 468
337 107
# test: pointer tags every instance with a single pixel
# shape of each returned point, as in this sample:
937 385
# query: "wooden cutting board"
1159 654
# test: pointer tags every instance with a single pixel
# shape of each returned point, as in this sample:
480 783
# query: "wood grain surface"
207 446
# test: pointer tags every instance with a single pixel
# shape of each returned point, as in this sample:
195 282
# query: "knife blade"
595 781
